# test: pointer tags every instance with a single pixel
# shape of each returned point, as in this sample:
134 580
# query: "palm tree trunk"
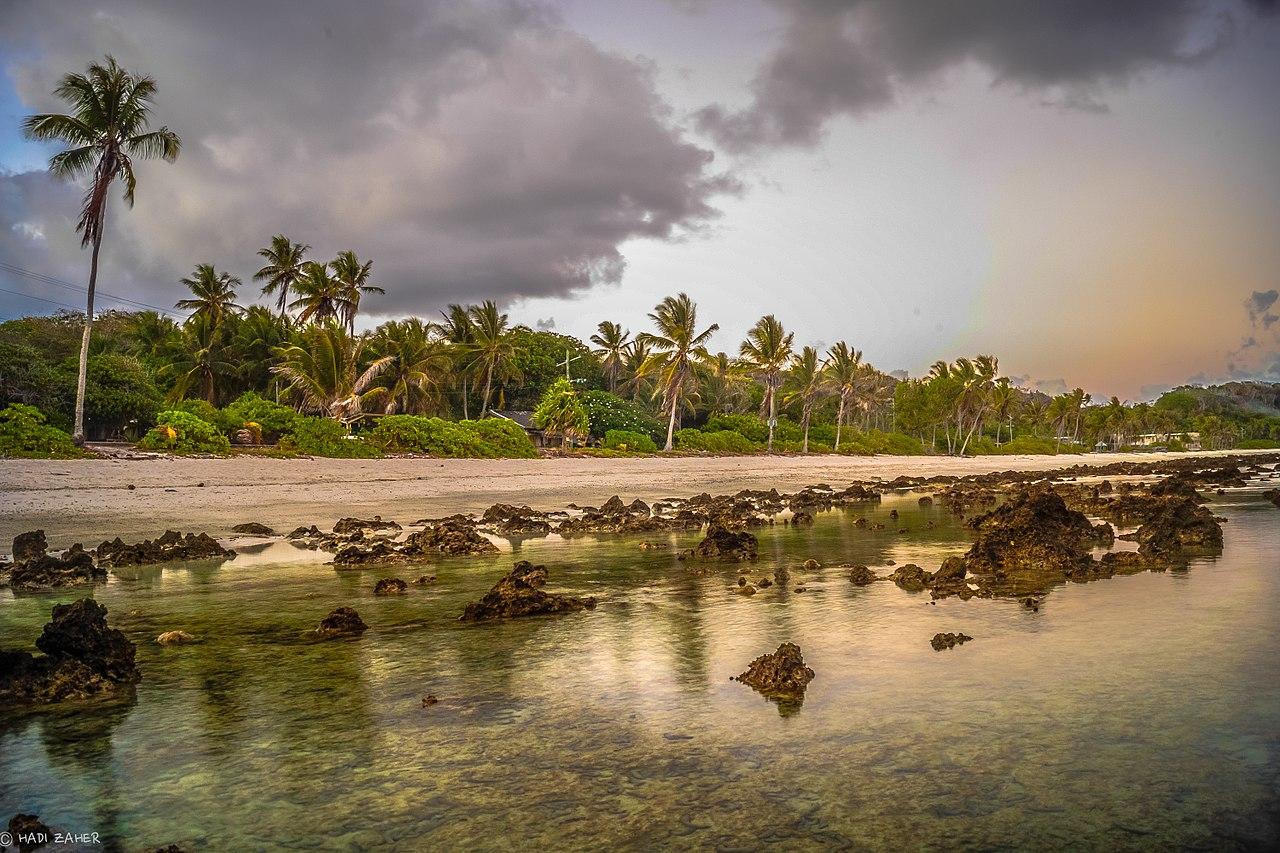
671 424
464 398
806 432
839 421
773 410
82 375
488 387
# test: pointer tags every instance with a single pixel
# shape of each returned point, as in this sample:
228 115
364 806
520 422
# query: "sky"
1089 190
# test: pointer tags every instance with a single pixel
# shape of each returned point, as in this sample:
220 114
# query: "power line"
38 298
48 279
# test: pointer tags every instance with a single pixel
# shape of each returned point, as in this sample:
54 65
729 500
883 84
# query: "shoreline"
91 500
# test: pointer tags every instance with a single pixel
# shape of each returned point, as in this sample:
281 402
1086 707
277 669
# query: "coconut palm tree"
419 369
843 372
151 335
323 371
677 347
492 355
353 279
809 384
202 362
612 341
767 352
458 330
1004 403
106 131
320 296
1059 415
283 268
213 294
255 339
724 384
635 382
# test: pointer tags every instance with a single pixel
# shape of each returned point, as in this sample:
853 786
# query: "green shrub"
1255 444
720 441
492 438
273 419
875 441
748 426
325 437
635 442
182 432
25 434
561 412
202 409
607 411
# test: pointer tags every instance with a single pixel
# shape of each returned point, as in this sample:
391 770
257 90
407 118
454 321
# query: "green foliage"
182 432
1034 445
748 426
1258 444
325 437
27 377
561 411
202 409
718 441
875 441
273 419
607 412
120 396
25 434
634 442
492 438
539 359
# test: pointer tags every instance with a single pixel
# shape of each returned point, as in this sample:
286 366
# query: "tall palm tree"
459 331
107 131
255 339
284 267
320 296
419 369
201 362
1059 414
151 335
1004 403
843 373
491 351
808 384
213 294
353 278
767 351
323 371
677 347
612 341
724 384
635 382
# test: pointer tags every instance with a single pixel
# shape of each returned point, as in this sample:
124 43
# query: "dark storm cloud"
471 150
1258 303
852 56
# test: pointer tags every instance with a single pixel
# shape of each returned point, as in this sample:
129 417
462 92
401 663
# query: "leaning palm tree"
320 296
808 383
767 352
843 373
107 131
491 352
677 347
353 278
323 372
419 369
213 294
283 268
612 341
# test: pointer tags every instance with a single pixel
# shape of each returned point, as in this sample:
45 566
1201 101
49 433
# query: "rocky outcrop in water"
1177 523
520 593
1272 495
29 832
779 675
453 536
721 543
175 638
341 622
171 547
390 586
861 576
508 520
33 568
253 528
83 658
348 526
948 641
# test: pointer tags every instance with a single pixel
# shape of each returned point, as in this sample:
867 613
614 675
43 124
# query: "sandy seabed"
89 500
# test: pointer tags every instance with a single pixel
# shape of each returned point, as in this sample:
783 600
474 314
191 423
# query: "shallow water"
1139 712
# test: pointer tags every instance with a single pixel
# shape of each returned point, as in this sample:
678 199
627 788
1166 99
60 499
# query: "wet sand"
89 500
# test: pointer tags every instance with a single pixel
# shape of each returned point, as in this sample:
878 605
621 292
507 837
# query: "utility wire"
48 279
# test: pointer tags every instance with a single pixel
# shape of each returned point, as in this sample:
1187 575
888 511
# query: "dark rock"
613 506
347 526
800 517
925 501
730 545
1272 495
28 832
1179 523
508 520
376 552
341 622
453 536
520 593
170 547
34 568
253 528
861 576
948 641
910 577
29 546
425 580
780 675
83 658
390 586
429 700
1176 486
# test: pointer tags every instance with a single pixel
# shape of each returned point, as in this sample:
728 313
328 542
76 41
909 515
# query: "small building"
525 421
1189 440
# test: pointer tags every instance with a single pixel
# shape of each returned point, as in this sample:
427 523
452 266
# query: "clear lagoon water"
1140 712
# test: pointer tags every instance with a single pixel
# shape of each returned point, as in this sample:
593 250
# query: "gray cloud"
471 150
852 56
1258 304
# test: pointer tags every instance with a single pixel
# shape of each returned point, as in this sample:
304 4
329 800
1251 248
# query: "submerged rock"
948 641
508 520
347 526
910 577
253 528
721 543
359 553
170 547
175 638
34 568
861 576
28 832
83 658
779 675
390 586
520 593
453 536
1272 495
341 622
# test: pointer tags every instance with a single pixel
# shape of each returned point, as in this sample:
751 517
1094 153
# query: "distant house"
1190 440
525 420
